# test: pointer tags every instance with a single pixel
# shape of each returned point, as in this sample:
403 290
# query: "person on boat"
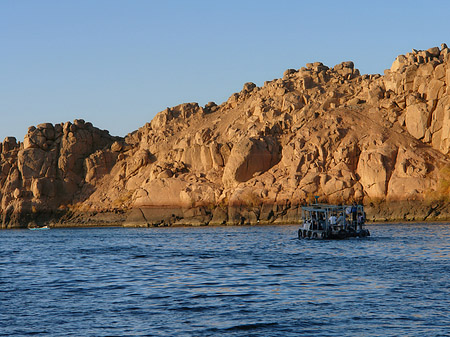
361 219
314 220
341 221
321 223
354 214
332 220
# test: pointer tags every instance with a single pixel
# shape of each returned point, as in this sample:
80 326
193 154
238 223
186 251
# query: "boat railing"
336 217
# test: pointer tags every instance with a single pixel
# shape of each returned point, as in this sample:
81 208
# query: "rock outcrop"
256 158
51 170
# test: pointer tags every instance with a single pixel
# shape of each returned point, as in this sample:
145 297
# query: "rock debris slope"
256 158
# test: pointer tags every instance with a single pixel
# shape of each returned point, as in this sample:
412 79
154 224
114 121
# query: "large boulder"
399 63
250 157
373 174
160 192
444 134
9 144
417 119
409 177
31 161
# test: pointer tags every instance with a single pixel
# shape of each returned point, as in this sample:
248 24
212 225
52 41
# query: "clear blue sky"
118 63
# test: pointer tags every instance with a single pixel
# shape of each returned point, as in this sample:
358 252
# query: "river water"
224 281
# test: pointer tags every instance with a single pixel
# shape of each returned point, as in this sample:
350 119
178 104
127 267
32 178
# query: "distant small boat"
38 228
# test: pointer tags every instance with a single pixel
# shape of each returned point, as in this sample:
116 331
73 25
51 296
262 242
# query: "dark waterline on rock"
233 281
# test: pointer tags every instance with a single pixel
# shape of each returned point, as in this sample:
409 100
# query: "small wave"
245 327
157 297
140 256
240 264
273 266
195 309
222 295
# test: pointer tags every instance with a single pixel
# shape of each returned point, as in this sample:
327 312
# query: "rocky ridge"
256 158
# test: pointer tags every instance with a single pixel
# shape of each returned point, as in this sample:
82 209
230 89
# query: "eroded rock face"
373 173
248 158
317 131
47 170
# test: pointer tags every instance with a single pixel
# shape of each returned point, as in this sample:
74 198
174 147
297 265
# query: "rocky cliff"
256 158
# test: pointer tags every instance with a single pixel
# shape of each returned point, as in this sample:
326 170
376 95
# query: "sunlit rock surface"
382 140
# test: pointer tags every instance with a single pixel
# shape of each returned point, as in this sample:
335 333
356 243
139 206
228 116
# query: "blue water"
224 281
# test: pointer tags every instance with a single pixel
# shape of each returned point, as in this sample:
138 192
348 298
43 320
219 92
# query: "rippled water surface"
224 281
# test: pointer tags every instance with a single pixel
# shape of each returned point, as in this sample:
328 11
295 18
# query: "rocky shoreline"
403 211
379 140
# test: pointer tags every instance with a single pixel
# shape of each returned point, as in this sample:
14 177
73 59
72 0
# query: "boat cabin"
333 221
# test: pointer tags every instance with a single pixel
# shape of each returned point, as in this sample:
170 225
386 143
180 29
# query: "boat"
38 228
325 221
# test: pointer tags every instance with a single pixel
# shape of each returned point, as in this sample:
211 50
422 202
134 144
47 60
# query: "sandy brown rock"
256 158
46 173
248 158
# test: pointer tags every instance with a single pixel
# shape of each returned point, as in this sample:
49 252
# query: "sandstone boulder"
417 119
9 143
43 187
248 87
434 90
98 165
139 160
30 162
250 157
434 52
160 193
443 140
399 63
409 178
373 174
